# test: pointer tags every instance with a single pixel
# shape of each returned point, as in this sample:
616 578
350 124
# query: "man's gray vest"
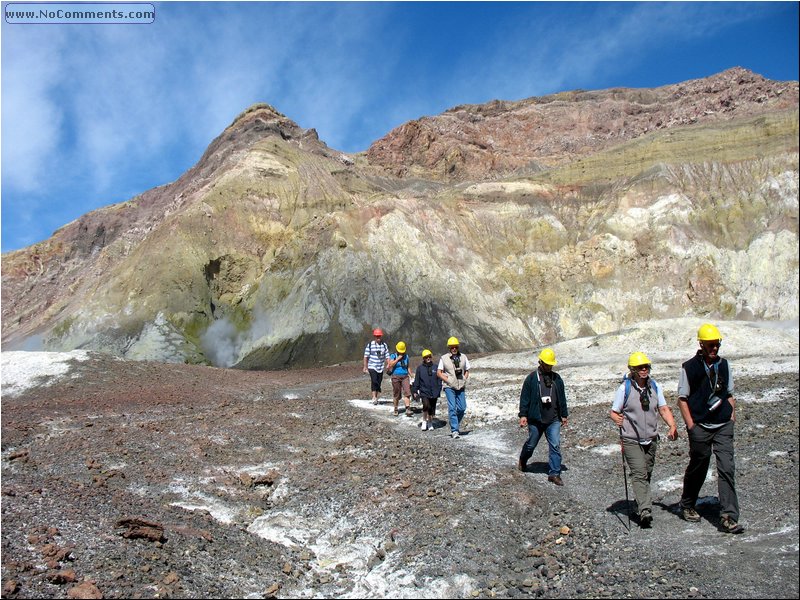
450 371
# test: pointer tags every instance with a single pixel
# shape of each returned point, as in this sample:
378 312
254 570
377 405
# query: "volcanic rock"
509 225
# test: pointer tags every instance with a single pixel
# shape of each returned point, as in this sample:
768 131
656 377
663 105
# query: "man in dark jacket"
428 387
705 397
543 410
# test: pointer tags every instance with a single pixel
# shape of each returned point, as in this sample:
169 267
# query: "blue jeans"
553 434
456 406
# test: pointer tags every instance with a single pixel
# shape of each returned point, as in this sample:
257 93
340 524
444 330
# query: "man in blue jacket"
428 387
543 410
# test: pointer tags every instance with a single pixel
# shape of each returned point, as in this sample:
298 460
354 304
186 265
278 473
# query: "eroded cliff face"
276 250
524 137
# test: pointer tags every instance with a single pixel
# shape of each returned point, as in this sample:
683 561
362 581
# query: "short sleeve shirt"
376 353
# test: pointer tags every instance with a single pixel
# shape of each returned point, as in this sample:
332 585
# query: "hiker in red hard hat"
376 354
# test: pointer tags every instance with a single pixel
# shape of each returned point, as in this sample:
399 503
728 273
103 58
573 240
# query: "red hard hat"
377 331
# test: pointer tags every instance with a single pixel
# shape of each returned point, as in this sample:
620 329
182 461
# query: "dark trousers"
702 442
375 378
429 405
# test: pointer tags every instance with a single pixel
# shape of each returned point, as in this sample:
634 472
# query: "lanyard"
715 368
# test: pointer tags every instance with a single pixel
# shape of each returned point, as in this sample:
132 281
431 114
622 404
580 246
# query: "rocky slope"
276 250
523 137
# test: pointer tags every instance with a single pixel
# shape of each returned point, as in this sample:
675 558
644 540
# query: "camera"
644 398
713 402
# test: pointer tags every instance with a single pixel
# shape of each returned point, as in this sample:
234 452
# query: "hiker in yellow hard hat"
543 410
397 367
637 405
428 387
705 397
453 370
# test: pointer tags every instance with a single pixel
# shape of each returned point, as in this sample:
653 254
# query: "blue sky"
95 114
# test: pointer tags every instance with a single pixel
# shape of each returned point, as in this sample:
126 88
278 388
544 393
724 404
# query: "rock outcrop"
276 250
521 138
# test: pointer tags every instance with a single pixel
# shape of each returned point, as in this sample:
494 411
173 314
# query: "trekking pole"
625 477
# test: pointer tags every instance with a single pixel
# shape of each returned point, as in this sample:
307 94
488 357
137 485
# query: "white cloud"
537 56
94 112
32 117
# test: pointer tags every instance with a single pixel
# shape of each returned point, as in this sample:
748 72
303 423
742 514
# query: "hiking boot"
730 526
555 479
645 519
455 435
375 401
522 466
396 414
409 412
691 515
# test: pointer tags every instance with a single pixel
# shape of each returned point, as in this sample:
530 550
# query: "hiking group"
451 374
705 400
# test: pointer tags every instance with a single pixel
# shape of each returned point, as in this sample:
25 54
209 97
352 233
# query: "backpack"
402 362
627 381
382 350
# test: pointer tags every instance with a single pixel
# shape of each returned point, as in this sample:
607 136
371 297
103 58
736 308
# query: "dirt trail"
290 484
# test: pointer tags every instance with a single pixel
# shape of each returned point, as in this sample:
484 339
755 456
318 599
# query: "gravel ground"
125 479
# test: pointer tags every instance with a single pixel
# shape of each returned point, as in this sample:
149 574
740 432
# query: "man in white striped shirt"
376 355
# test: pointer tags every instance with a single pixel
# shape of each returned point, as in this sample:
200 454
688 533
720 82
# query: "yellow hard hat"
453 341
637 359
401 347
708 332
548 357
426 352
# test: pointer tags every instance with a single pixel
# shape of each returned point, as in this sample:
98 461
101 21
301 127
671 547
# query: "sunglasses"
714 344
642 368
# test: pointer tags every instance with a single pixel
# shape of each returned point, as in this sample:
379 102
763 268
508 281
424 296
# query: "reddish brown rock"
84 590
10 587
21 455
137 527
62 577
484 140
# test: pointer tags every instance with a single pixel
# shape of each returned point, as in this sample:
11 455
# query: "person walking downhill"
638 403
428 387
376 354
705 397
398 368
543 410
453 370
